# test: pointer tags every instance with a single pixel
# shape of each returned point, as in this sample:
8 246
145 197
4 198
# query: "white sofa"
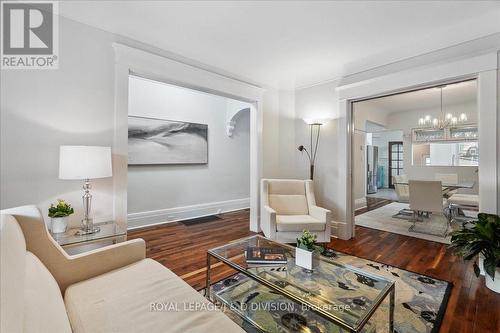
111 289
288 207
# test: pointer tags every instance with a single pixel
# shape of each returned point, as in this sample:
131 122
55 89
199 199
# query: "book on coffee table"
265 256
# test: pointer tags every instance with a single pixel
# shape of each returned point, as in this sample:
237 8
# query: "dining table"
461 184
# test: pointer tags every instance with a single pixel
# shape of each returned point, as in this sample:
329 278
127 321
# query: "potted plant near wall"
305 250
58 214
483 239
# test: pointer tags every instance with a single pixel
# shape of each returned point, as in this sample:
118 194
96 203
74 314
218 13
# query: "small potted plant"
306 247
58 214
482 239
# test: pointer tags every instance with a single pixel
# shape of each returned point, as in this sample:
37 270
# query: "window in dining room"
446 154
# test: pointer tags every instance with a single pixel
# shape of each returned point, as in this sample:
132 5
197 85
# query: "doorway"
129 60
395 160
183 161
429 134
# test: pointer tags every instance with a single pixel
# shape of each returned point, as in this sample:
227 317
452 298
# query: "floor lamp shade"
84 162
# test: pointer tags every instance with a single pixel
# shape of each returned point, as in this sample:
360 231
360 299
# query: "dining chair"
447 178
460 202
401 187
426 197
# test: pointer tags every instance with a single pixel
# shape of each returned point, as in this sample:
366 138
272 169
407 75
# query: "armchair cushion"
289 204
125 300
299 223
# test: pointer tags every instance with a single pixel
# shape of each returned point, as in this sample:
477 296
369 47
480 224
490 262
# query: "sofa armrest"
89 264
319 213
68 269
268 221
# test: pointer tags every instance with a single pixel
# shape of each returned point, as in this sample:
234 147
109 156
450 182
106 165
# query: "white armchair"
288 207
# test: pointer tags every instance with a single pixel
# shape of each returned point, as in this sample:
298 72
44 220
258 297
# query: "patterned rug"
420 302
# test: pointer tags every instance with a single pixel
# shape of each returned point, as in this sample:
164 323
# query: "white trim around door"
482 67
130 60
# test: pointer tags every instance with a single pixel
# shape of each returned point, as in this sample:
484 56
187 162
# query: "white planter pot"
59 224
493 284
304 258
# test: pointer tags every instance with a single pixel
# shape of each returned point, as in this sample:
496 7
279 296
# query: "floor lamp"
314 131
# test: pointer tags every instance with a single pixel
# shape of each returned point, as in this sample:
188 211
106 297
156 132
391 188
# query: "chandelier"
444 120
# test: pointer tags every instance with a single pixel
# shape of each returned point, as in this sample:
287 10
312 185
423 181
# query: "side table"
110 233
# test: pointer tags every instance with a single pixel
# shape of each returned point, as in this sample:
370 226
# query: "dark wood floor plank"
472 308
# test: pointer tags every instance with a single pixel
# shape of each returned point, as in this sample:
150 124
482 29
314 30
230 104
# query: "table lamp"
86 163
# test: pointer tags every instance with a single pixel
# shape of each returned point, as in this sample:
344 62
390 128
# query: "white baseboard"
339 230
360 203
155 217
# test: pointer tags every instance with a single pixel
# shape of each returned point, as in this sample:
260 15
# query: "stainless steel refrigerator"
371 168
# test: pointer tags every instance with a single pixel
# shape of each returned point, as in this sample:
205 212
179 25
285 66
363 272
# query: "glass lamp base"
82 232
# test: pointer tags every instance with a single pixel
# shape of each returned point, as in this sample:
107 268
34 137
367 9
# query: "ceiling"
426 99
289 44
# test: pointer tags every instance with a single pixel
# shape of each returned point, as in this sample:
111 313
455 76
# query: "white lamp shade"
316 121
84 162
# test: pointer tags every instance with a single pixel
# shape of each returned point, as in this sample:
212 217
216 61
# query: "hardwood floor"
472 308
372 204
183 248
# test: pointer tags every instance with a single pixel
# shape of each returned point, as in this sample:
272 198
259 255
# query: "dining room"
416 161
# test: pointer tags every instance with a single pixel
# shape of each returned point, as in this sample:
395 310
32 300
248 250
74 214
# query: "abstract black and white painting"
157 141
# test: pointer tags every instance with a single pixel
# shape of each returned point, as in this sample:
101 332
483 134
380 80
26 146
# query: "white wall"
405 121
324 98
281 157
381 140
498 137
43 109
226 177
359 172
321 102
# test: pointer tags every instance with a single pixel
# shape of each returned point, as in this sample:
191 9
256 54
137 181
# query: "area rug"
420 301
381 219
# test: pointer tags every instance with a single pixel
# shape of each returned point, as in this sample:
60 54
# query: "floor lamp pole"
314 149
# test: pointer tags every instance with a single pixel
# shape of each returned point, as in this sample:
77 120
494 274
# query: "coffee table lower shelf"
270 312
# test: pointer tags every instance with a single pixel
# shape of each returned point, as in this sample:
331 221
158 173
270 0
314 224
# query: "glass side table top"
108 230
325 290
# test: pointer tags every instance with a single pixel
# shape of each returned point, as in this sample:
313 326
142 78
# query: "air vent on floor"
203 219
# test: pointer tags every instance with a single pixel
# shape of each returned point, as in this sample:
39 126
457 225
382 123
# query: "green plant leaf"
61 209
490 266
477 270
484 238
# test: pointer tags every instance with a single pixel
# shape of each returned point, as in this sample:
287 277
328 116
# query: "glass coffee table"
343 295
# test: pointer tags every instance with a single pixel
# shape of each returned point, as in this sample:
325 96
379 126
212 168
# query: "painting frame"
181 142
